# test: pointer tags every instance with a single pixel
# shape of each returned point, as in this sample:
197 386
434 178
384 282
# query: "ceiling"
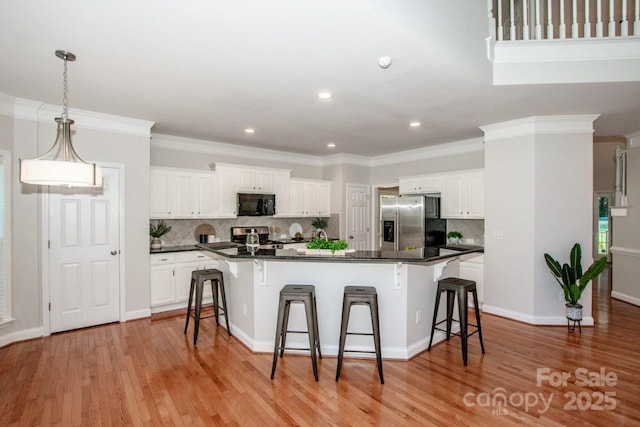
209 69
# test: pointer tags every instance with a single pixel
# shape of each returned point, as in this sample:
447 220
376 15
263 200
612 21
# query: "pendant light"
61 165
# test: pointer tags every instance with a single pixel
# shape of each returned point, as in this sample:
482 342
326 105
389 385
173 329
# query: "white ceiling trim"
26 109
633 139
540 125
441 150
179 143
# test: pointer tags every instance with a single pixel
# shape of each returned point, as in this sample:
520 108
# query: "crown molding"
540 125
435 151
6 105
633 139
26 109
170 142
344 158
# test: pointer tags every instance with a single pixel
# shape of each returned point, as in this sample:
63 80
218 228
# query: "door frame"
43 202
594 226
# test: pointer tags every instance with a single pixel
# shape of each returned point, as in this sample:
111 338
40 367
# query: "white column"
574 25
563 28
549 21
624 25
539 195
587 23
538 25
512 33
500 27
599 25
612 22
525 20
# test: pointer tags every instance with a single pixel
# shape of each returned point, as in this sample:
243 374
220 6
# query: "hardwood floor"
148 373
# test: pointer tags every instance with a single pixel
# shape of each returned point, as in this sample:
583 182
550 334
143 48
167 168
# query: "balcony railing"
565 19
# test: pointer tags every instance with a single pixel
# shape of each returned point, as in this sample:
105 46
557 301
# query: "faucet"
322 234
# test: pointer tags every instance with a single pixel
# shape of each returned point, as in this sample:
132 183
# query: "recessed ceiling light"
414 124
249 130
325 95
331 145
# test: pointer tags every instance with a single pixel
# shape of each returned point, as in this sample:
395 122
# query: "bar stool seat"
198 277
360 295
455 286
305 294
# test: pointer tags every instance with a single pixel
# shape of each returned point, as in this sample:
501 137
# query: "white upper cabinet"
225 198
463 195
281 188
180 194
160 189
233 179
310 198
324 198
424 184
254 180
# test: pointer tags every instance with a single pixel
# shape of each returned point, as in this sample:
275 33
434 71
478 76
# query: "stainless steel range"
239 235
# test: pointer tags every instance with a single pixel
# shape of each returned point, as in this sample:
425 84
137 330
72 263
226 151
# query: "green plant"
333 245
454 235
319 223
159 229
570 277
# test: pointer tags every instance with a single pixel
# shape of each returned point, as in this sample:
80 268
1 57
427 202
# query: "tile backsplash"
182 230
470 229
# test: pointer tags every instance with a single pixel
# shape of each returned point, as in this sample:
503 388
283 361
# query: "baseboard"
138 314
23 335
532 320
625 298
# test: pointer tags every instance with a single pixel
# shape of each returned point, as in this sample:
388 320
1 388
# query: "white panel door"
84 261
358 217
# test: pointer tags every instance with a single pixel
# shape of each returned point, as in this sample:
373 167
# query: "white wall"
626 233
538 196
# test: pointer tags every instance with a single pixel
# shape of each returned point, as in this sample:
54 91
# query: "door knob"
114 252
350 237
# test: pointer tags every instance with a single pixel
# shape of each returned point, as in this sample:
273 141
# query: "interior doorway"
602 224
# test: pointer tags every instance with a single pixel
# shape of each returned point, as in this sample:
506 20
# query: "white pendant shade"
61 165
60 173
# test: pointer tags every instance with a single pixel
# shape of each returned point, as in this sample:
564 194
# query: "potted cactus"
572 281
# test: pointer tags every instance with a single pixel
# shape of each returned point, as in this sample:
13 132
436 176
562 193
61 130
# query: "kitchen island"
406 283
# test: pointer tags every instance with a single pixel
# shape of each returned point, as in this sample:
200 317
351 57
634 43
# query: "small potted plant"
454 237
319 223
572 281
318 246
156 231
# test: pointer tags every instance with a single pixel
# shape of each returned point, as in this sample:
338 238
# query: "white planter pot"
325 252
574 312
156 243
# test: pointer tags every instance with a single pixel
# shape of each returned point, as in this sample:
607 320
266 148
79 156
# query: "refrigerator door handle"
396 243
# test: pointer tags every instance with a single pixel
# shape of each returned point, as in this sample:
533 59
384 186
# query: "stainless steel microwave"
250 204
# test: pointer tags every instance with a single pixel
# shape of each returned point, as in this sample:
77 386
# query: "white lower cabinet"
171 278
473 269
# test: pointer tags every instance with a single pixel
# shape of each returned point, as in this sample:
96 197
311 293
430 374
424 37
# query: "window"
5 237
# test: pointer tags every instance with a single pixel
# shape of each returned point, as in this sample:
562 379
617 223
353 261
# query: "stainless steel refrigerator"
410 222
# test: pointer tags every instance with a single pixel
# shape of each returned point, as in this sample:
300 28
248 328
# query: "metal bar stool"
460 287
305 294
198 277
360 295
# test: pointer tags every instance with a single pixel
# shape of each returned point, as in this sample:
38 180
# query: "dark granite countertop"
413 256
183 248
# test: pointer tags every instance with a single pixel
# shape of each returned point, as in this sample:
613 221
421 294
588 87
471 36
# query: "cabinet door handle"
114 253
